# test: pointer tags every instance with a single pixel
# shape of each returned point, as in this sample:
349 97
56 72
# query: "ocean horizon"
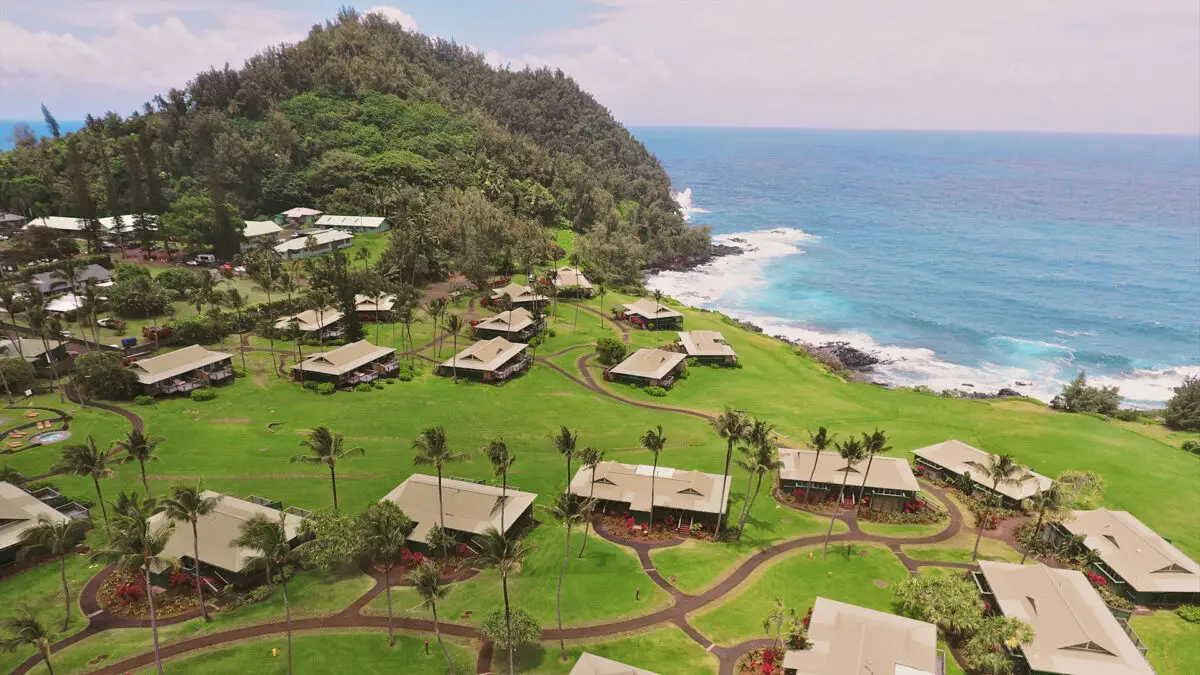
967 260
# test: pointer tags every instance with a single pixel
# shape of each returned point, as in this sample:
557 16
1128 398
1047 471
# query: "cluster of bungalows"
355 363
20 511
851 640
494 360
514 325
889 484
182 371
649 368
652 315
324 324
951 459
109 225
467 509
687 496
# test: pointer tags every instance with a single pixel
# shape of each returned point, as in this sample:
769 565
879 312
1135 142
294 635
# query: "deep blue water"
39 127
979 258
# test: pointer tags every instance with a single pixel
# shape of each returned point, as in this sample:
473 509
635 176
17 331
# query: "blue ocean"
967 260
39 127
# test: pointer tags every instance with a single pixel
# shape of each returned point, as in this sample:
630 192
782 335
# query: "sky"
1123 66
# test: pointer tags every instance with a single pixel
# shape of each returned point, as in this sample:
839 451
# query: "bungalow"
653 315
299 215
258 232
370 308
515 325
848 640
707 346
349 365
648 367
353 224
571 282
518 295
1135 560
590 664
322 241
889 484
183 370
12 221
60 223
492 360
217 531
64 304
19 512
323 324
955 458
469 508
688 496
50 283
35 352
1074 633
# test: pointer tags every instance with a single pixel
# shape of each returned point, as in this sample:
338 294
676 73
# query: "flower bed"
991 515
915 512
124 594
797 498
623 526
764 660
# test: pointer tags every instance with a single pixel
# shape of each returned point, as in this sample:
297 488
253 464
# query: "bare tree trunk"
333 479
199 583
833 516
562 572
387 585
588 521
746 513
437 632
287 610
724 486
808 490
508 624
62 573
153 619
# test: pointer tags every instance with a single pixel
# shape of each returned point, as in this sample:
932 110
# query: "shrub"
1183 410
610 350
1191 446
204 329
310 385
656 391
1078 397
326 388
19 374
1189 613
363 387
256 595
377 385
390 381
550 332
204 394
103 376
525 629
144 400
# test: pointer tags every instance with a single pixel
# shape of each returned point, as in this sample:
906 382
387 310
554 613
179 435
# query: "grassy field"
665 650
958 549
894 530
1174 644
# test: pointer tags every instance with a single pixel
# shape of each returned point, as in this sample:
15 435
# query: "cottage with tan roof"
851 640
327 323
259 232
19 512
690 496
470 508
514 325
707 346
183 370
1074 633
518 295
493 360
652 314
570 282
590 664
955 458
372 308
1137 562
889 484
349 365
648 367
35 352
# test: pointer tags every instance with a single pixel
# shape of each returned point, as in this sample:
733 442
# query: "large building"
954 458
687 496
322 242
353 224
1074 633
183 370
349 365
852 640
19 511
653 315
889 484
1137 562
649 368
299 215
494 360
470 508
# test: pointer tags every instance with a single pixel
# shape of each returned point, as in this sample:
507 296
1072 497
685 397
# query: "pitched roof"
653 364
1145 560
44 281
310 320
590 664
11 218
344 359
673 488
887 473
301 212
363 222
26 348
1073 631
19 511
705 343
218 529
260 228
56 223
960 458
110 222
571 277
508 321
486 355
470 507
852 640
651 310
322 238
517 293
66 303
384 302
175 363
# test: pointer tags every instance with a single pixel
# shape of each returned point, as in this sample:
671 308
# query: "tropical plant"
426 579
654 441
509 632
760 459
1000 470
384 530
820 442
25 628
506 555
986 651
565 443
570 511
11 476
780 617
501 460
435 307
85 459
454 326
434 450
950 601
1183 408
853 452
55 538
328 448
875 443
1045 502
138 447
731 425
1078 397
601 291
269 540
589 458
188 505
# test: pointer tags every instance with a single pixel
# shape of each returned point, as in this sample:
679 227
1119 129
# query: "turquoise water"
39 127
981 259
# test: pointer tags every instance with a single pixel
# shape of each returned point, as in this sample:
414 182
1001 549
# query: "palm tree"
433 450
363 255
27 629
269 538
732 426
188 505
87 460
234 300
552 286
875 443
506 555
501 460
761 457
68 270
601 291
426 579
1000 470
654 441
565 442
265 281
819 441
570 511
435 307
56 539
328 448
139 447
1049 501
294 332
384 531
590 458
11 476
8 298
136 546
406 317
658 296
853 452
454 325
318 300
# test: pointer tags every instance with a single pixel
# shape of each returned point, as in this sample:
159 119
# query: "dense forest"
471 164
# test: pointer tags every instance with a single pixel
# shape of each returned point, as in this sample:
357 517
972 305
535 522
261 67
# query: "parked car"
111 322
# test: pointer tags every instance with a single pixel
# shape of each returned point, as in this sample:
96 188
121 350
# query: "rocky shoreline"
717 251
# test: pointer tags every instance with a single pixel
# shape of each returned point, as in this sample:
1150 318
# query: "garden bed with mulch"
797 500
624 527
915 512
761 661
124 594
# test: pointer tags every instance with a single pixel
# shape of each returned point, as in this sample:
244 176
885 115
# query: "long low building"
326 241
1138 563
707 346
514 325
889 484
348 365
326 323
183 370
470 508
1074 633
653 315
494 360
955 458
851 640
590 664
649 368
353 224
19 512
691 496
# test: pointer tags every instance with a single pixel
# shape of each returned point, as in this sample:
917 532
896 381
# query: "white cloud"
394 14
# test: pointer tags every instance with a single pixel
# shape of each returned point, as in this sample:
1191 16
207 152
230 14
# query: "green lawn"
798 578
894 530
41 588
958 549
1173 644
665 650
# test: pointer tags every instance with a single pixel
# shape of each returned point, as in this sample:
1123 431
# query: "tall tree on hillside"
761 458
434 450
427 580
732 426
589 458
188 505
505 554
51 122
384 530
565 442
139 447
1000 470
820 442
81 198
875 443
264 278
435 307
85 459
56 539
655 441
853 452
25 628
268 538
1050 501
501 460
601 291
570 511
327 448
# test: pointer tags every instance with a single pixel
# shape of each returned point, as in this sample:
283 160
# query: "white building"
353 224
323 242
258 231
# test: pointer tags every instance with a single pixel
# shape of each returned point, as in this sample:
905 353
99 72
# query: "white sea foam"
721 282
686 206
